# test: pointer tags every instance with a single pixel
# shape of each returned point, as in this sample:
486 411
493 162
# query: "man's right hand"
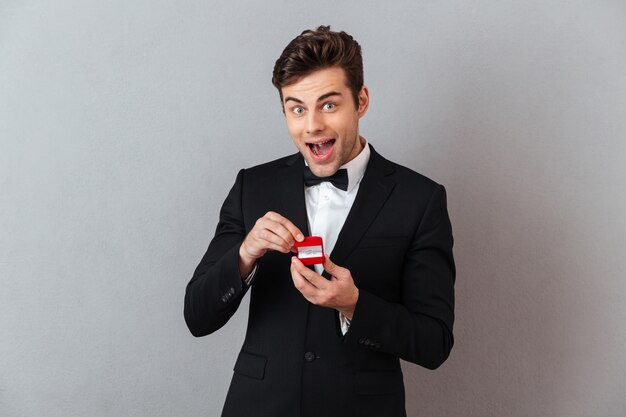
270 232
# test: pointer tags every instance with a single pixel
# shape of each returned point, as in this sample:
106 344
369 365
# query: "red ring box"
311 250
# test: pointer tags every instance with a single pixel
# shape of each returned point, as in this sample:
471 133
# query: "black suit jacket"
397 243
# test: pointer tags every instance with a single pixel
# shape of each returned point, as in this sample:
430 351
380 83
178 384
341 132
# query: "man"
327 341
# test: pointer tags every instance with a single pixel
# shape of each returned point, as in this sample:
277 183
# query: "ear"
364 101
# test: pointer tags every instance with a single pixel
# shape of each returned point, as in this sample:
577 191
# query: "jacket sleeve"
216 288
418 328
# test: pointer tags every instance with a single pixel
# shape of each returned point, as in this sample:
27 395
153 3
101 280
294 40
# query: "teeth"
319 145
315 147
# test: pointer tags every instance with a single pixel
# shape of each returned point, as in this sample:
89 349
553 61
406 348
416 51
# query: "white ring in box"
311 250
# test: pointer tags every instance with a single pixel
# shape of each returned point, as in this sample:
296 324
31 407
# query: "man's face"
323 120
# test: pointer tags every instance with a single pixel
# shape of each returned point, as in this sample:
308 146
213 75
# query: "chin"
323 170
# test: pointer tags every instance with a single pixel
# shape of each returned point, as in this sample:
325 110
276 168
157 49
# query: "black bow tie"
339 179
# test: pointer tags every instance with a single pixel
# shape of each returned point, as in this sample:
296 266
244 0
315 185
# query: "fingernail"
299 237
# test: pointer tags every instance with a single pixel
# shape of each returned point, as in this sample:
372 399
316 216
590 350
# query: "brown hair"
318 49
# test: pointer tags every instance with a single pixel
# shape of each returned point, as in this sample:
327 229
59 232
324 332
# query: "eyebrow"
320 98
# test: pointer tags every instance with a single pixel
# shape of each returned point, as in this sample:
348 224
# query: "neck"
358 147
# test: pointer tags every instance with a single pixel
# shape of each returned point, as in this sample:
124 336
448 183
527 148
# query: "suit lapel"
373 192
291 191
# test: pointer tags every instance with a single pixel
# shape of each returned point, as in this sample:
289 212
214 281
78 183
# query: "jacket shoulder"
403 175
272 167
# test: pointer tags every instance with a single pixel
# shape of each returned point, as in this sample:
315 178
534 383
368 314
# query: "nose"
314 122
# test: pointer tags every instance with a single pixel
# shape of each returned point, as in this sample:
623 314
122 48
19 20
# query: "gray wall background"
123 124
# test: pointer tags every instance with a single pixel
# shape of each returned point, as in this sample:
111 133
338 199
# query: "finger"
301 283
266 237
336 272
266 230
329 266
287 224
277 248
283 231
310 275
267 225
260 246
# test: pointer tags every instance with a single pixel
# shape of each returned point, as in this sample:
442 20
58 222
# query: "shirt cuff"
345 324
249 278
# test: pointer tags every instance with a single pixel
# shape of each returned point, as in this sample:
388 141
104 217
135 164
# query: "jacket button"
225 298
309 356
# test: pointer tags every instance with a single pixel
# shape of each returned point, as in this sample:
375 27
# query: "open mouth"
321 149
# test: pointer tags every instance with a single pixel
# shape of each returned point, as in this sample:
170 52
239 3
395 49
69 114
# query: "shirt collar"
356 167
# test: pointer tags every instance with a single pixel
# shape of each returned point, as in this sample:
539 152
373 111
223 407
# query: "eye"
297 110
329 106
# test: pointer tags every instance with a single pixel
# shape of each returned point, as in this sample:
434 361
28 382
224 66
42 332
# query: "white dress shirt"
327 208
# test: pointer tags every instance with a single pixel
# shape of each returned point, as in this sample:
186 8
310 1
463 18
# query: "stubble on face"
322 119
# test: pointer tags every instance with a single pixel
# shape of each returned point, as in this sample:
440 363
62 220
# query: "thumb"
329 266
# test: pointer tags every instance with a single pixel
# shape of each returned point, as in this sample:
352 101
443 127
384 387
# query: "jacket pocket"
250 364
378 382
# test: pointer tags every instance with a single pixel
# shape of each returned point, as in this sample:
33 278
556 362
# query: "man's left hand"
339 292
